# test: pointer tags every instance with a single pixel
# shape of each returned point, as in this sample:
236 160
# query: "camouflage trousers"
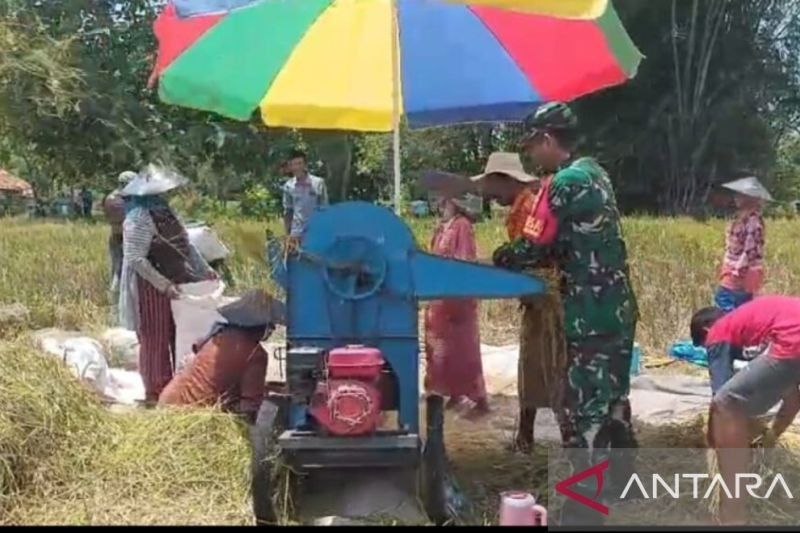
598 415
596 390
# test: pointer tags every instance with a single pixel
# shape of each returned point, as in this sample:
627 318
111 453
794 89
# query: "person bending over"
771 377
230 366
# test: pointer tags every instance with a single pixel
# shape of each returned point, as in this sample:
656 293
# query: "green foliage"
259 202
713 98
716 95
786 182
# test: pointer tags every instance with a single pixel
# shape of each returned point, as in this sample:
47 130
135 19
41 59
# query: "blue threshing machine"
352 352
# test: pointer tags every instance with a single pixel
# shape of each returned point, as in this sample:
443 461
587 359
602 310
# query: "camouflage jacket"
589 250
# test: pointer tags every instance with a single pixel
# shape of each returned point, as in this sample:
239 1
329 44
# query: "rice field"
65 459
60 271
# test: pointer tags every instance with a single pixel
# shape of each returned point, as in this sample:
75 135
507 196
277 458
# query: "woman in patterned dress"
742 272
452 340
157 259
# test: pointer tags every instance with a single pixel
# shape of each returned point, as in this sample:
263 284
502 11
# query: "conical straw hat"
152 181
749 187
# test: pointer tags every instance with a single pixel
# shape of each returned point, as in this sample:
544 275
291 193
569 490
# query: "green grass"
60 270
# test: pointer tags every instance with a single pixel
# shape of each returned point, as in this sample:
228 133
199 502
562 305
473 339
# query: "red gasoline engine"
348 401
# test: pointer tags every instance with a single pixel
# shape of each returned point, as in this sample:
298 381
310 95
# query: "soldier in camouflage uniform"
600 311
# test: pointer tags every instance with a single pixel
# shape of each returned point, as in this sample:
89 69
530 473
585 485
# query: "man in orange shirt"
542 353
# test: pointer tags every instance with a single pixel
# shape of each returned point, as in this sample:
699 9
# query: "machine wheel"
271 420
434 464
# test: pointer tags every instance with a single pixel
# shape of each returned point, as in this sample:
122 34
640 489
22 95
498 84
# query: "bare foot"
522 444
478 411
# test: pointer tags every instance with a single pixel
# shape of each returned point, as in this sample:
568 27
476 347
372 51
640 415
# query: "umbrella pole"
396 108
397 169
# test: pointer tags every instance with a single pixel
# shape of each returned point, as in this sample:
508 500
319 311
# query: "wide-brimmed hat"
256 308
154 180
749 187
508 164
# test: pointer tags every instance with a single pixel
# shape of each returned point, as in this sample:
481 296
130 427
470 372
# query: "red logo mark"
597 472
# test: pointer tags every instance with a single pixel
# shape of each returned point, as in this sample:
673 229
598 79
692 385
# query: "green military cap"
549 117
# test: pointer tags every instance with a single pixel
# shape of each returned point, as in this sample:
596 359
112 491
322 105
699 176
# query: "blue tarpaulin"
686 351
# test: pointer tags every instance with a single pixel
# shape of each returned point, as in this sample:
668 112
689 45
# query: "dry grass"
64 459
59 271
68 460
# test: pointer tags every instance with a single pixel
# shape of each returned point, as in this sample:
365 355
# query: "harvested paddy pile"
67 460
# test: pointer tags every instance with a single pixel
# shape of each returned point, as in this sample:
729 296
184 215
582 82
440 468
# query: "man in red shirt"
770 378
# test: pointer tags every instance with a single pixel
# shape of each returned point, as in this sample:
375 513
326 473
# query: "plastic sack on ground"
122 347
194 314
207 243
124 386
686 351
83 355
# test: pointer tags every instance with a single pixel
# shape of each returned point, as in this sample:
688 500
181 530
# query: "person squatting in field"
454 368
771 377
157 258
230 366
600 309
542 349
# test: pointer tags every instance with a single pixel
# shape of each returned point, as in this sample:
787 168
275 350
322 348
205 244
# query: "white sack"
124 386
123 346
195 312
207 243
82 355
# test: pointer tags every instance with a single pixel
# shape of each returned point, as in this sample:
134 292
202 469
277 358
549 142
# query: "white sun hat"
749 187
507 164
154 180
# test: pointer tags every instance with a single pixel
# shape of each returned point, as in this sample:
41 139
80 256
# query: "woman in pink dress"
452 341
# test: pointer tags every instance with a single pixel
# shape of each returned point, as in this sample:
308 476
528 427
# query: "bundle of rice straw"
251 243
542 345
757 428
65 459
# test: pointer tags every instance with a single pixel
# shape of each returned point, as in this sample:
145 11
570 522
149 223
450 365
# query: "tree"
714 96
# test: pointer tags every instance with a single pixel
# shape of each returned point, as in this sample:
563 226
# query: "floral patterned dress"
452 340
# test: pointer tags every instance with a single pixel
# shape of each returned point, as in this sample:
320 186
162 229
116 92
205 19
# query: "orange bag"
541 226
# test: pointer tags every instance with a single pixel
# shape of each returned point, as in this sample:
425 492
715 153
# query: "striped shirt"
139 230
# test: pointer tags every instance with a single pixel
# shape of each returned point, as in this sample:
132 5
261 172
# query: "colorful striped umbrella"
568 9
362 64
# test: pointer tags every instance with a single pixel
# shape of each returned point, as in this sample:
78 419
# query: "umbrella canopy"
361 64
573 9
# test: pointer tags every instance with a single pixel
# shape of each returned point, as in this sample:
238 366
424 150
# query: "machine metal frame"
357 278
